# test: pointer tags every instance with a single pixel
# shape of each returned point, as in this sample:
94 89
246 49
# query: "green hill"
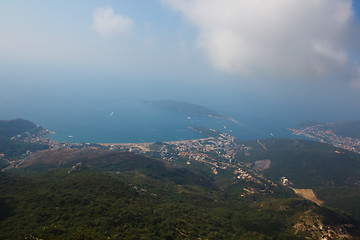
114 195
314 165
347 129
307 163
184 107
119 162
13 148
102 194
10 128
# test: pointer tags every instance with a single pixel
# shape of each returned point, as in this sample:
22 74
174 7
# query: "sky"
298 57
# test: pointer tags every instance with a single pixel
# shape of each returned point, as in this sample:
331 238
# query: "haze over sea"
133 121
68 67
84 113
81 108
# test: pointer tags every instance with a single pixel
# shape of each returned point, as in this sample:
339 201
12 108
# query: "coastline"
149 143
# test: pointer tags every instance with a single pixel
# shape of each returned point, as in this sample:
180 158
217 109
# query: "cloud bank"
289 38
107 23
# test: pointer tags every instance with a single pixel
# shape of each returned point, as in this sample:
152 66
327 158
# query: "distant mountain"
9 131
184 107
310 164
187 108
308 123
344 135
347 128
344 128
99 194
10 128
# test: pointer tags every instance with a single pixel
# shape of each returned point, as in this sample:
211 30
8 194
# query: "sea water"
121 120
133 121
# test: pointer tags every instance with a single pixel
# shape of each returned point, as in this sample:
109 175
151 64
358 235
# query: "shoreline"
148 143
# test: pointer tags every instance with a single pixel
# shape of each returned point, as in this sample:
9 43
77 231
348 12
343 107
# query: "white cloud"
274 37
107 23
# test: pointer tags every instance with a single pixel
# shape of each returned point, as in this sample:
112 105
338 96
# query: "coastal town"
322 133
217 150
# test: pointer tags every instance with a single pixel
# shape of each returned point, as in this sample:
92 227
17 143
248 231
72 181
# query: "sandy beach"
149 143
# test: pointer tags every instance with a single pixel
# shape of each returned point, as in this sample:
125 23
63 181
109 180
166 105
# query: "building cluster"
3 158
285 182
39 135
320 230
35 135
322 134
216 152
209 149
242 174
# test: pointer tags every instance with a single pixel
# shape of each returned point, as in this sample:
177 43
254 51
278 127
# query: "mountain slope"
309 164
10 128
13 148
114 195
347 129
114 161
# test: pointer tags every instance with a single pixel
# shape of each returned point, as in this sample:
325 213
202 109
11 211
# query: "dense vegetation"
331 172
132 200
184 107
347 129
100 194
12 149
10 128
345 198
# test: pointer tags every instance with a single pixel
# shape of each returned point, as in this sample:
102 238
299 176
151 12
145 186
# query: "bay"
130 120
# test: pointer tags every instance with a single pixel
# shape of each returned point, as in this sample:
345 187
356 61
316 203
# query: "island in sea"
188 108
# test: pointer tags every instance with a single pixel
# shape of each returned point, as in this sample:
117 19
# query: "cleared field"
262 165
308 194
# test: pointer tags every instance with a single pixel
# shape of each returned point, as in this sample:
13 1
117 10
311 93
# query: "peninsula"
345 135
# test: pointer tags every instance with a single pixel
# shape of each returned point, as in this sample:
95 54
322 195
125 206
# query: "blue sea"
106 108
133 121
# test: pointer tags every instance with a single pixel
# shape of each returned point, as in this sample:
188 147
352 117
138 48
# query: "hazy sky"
301 55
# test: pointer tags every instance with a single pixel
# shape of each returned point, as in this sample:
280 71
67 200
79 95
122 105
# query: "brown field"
308 194
262 165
